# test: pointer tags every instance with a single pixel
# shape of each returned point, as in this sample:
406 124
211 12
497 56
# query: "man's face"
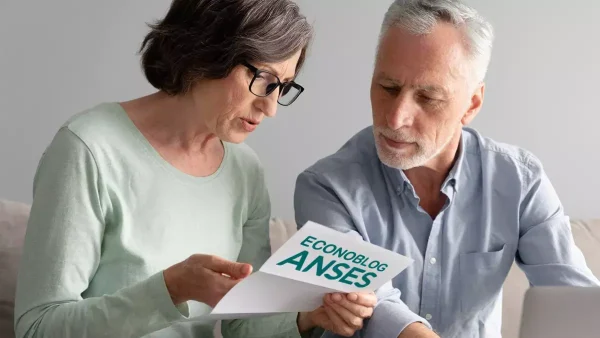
420 95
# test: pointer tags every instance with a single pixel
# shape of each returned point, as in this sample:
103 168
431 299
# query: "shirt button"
428 316
433 260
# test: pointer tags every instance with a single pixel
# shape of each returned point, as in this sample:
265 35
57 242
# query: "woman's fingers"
220 265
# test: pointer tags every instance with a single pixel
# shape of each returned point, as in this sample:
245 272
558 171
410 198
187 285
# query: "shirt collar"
453 179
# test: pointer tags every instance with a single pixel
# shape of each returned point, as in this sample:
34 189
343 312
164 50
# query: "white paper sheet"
313 262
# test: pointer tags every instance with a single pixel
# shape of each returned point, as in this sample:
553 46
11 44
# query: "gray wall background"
59 57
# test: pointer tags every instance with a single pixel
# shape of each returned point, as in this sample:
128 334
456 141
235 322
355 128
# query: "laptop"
561 312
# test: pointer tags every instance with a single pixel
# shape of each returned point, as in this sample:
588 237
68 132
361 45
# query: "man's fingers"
355 322
361 298
356 309
337 324
233 269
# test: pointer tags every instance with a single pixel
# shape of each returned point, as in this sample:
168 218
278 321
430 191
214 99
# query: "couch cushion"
279 232
13 222
587 237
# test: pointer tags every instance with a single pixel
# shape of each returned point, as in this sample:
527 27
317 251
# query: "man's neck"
427 180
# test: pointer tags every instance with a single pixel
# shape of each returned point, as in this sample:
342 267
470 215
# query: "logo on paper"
333 262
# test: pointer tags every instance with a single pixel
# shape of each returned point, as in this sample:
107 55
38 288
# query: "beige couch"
13 219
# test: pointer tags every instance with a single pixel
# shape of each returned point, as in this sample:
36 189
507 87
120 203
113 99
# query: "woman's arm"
256 249
62 251
337 316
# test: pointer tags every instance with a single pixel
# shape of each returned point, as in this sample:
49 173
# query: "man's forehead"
439 54
424 83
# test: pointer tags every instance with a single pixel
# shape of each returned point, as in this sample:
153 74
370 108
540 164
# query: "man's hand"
342 314
417 330
204 279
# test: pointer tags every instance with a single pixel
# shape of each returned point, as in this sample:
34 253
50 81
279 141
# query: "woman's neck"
172 121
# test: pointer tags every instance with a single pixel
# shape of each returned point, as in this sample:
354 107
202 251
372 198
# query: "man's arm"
315 200
547 252
418 330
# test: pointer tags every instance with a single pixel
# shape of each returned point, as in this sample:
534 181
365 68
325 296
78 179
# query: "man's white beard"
424 153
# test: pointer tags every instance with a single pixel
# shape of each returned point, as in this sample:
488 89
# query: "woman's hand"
204 279
342 314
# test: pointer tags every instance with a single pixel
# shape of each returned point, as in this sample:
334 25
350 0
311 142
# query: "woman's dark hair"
206 39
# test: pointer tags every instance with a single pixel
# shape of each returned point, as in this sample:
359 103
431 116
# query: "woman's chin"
235 136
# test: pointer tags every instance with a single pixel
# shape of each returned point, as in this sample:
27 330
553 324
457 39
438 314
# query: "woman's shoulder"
245 158
103 129
98 121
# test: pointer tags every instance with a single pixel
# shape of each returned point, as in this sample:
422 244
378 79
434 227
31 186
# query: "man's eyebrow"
425 87
386 78
433 89
430 88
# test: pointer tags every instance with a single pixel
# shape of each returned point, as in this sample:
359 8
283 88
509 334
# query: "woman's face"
230 110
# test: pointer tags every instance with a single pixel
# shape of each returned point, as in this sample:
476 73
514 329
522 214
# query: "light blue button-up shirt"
501 207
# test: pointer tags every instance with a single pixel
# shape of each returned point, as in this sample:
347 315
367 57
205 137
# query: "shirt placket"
432 274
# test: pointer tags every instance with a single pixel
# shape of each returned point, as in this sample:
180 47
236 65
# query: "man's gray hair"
420 16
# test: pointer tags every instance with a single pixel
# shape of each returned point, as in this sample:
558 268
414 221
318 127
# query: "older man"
418 182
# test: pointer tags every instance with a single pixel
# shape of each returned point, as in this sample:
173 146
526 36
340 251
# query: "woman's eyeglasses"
264 83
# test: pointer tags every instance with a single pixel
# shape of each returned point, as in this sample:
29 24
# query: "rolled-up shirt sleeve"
315 201
547 252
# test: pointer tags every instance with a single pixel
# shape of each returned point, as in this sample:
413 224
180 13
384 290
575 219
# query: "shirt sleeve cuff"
159 294
390 319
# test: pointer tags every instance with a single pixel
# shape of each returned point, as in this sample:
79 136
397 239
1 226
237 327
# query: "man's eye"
428 99
390 90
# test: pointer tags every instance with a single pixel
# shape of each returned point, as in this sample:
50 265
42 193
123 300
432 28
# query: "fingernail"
246 269
336 297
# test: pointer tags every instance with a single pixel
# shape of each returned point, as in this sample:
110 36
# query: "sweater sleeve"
255 250
61 254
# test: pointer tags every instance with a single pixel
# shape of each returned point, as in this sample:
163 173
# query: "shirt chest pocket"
482 275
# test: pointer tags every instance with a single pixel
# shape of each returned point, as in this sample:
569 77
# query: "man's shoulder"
499 154
357 154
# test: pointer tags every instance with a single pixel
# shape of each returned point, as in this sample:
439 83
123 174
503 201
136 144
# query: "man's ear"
475 107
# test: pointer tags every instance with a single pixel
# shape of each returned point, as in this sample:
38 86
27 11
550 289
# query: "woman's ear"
475 106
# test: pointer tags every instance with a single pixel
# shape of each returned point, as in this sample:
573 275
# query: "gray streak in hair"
207 39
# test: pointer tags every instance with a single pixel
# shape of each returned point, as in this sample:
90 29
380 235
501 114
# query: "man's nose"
402 113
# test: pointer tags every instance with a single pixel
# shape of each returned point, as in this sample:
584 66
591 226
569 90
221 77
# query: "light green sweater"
110 214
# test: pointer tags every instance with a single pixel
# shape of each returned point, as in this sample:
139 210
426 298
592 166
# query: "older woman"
141 209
